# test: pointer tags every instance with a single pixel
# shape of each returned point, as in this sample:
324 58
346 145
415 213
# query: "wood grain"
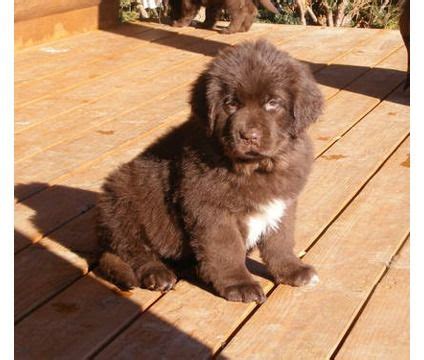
79 320
346 175
334 123
351 257
382 331
56 292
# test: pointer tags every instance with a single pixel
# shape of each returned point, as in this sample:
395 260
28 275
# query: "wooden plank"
34 113
32 139
207 300
25 213
357 168
30 169
351 258
92 309
360 60
75 240
106 89
29 139
334 122
359 98
80 45
36 63
153 46
393 112
382 330
60 259
38 215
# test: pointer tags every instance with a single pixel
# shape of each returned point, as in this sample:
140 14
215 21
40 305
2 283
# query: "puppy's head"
254 98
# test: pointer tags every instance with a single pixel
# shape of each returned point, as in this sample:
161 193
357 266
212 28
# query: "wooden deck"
87 103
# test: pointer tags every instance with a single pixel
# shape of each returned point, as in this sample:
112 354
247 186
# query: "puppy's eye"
232 104
272 105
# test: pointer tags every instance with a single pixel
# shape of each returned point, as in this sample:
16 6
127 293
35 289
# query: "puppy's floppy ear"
201 108
308 101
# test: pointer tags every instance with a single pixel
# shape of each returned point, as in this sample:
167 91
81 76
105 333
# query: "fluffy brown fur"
193 193
242 12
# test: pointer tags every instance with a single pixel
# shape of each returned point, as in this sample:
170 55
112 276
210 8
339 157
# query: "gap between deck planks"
27 298
67 294
332 124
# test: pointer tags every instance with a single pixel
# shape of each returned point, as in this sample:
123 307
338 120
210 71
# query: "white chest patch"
267 218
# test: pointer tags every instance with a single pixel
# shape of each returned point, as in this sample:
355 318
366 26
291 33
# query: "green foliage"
374 13
358 13
128 11
288 15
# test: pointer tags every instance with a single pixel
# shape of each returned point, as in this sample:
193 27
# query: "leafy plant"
354 13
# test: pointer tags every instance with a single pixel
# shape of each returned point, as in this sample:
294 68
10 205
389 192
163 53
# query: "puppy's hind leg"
129 261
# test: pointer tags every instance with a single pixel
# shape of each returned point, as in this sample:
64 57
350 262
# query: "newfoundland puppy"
221 184
242 12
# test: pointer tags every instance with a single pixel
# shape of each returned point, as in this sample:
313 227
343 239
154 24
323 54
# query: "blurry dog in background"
242 12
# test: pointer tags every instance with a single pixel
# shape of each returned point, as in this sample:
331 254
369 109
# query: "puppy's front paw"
158 278
244 293
298 275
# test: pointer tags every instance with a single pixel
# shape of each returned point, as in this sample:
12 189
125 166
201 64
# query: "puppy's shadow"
76 231
66 216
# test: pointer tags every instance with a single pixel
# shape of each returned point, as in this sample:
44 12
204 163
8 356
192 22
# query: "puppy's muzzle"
250 137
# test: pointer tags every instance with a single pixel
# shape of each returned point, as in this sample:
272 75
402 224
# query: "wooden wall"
39 21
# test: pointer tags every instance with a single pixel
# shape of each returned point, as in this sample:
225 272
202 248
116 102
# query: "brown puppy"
222 183
242 12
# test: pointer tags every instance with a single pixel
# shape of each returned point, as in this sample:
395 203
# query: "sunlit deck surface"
87 103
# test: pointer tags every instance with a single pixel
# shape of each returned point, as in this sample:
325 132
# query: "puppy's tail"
117 270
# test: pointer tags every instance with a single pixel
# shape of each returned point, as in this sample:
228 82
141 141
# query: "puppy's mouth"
252 155
243 154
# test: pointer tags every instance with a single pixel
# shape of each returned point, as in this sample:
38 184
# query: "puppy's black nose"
250 135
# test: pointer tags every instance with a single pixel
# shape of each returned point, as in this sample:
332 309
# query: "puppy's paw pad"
160 279
245 293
